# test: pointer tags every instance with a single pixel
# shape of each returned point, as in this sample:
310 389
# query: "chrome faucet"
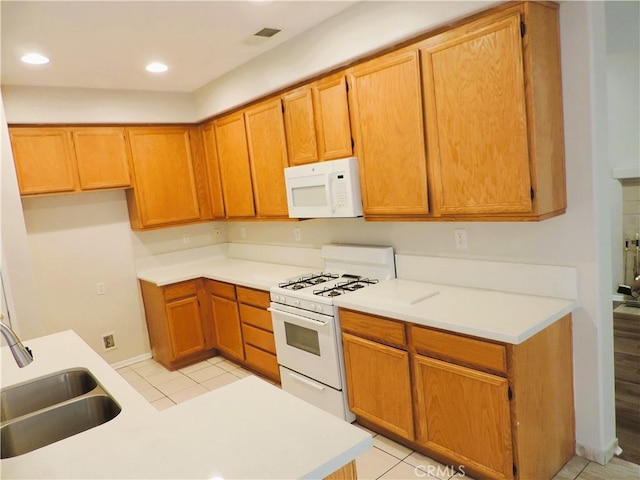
21 354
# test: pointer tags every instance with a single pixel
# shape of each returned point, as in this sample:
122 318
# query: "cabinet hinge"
509 393
346 84
282 106
353 144
533 193
523 29
515 470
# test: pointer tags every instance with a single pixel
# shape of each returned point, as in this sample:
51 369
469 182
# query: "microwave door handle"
329 192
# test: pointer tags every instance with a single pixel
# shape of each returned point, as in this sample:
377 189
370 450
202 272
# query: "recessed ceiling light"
156 67
34 59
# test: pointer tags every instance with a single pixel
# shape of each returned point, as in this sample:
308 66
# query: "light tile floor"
388 460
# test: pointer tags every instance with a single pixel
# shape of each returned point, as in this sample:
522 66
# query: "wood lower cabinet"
386 115
257 332
179 328
166 189
226 318
65 160
500 411
493 103
379 384
456 406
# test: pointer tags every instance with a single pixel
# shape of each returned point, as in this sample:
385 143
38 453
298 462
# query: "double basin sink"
50 409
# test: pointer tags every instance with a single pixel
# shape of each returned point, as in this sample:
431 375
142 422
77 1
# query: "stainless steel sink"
44 392
54 424
51 409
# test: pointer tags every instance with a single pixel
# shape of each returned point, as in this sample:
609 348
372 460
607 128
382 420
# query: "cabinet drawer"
257 317
372 327
259 338
221 289
253 297
180 290
453 347
263 361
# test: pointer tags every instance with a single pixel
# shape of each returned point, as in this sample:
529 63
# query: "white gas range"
307 327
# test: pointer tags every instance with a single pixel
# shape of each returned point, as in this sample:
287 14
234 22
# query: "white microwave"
324 189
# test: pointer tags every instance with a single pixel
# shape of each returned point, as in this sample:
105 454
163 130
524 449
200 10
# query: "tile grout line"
583 469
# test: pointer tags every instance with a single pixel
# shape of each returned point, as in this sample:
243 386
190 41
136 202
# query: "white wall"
74 105
579 238
354 33
23 299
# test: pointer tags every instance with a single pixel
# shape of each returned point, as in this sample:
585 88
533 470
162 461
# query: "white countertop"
248 273
248 429
504 317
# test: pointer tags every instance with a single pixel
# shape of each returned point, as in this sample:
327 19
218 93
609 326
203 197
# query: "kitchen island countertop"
248 429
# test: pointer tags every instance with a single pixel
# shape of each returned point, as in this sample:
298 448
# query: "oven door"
306 343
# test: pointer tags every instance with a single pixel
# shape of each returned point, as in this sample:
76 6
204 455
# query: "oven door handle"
315 323
305 381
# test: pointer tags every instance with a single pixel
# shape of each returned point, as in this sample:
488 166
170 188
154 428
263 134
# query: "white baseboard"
599 456
131 361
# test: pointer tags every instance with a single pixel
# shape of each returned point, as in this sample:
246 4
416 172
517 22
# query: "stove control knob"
319 308
312 306
276 298
296 303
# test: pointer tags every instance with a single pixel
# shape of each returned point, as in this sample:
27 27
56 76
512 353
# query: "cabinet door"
235 173
44 160
476 120
102 157
379 384
213 170
227 326
331 109
165 185
185 327
300 126
268 154
386 114
456 406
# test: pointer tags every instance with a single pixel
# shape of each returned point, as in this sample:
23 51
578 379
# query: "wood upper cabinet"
61 159
102 155
331 110
44 159
235 172
165 189
317 121
493 107
385 99
300 126
213 170
465 413
268 154
379 384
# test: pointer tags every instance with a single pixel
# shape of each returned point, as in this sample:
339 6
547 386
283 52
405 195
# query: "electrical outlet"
243 232
217 234
185 238
297 234
460 239
100 288
109 341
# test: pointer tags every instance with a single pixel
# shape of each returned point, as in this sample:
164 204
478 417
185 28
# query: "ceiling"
107 44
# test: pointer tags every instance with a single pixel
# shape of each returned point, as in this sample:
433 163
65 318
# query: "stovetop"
323 284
